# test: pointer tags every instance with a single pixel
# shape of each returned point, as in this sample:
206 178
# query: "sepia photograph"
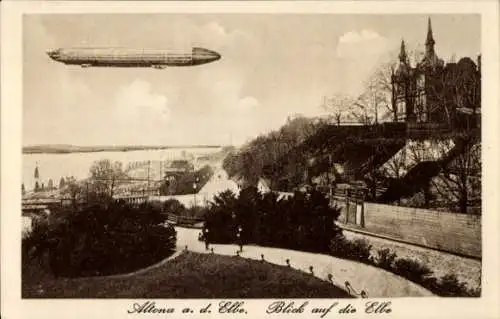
247 155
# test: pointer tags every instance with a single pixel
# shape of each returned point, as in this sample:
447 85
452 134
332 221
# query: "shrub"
358 249
450 286
302 222
197 212
361 250
385 258
101 240
220 220
474 292
412 270
173 206
340 247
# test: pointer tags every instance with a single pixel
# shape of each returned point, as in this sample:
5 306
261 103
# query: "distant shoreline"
68 149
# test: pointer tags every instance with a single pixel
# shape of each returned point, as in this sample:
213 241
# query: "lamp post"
195 185
240 239
206 231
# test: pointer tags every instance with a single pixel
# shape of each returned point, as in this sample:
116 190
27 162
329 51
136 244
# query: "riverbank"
66 149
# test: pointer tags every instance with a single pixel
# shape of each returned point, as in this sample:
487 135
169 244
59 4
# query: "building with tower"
36 180
435 94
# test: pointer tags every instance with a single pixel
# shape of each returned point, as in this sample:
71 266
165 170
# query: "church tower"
428 77
415 91
429 41
36 175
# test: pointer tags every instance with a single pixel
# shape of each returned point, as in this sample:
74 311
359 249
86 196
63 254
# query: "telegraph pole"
148 191
161 167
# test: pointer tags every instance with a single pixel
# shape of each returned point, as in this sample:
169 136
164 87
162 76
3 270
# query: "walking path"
377 283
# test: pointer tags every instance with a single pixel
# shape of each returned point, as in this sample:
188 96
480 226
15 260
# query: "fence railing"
329 278
183 220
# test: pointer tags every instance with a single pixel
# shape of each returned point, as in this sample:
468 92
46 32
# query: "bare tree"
457 88
375 101
105 176
414 153
459 184
396 166
73 189
340 107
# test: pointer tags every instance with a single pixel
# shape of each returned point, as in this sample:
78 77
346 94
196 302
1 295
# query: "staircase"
420 175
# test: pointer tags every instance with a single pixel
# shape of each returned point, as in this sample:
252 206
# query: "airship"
124 57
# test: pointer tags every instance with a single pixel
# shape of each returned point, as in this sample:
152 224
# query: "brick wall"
457 233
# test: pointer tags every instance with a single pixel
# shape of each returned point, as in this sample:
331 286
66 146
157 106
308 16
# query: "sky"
273 66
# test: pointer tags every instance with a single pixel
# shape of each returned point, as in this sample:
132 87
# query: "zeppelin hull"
132 58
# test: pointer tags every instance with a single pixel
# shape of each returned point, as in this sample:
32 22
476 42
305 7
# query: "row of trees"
248 163
104 178
304 221
40 187
373 105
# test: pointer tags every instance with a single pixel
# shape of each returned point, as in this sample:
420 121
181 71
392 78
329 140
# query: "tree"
62 183
23 190
51 184
459 184
173 206
396 166
74 190
340 106
105 176
375 102
414 153
256 156
37 186
456 88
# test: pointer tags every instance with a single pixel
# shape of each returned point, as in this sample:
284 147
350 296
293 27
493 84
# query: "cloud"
353 36
227 94
137 99
354 44
359 52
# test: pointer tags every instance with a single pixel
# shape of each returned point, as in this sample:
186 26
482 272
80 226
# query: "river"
55 166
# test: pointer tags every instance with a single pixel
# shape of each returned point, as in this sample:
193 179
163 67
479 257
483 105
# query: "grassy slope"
190 275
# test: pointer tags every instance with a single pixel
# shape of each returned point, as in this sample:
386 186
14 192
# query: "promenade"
377 283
